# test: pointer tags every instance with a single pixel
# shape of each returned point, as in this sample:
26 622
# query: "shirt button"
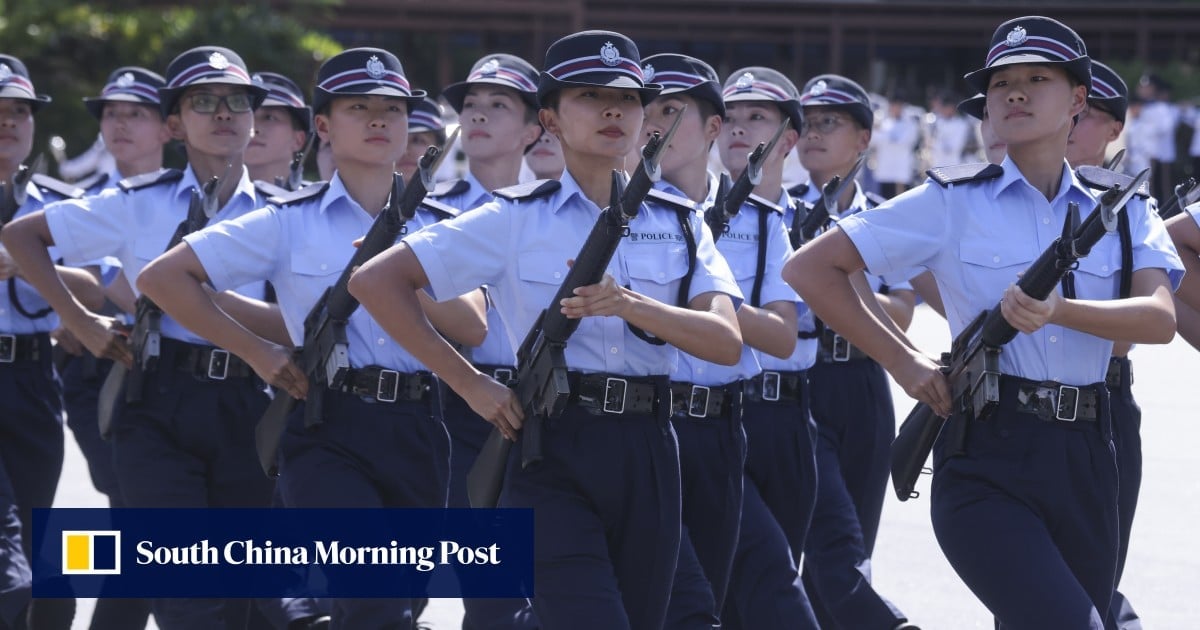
1104 268
1045 220
995 259
324 266
1053 339
662 275
557 274
381 341
613 350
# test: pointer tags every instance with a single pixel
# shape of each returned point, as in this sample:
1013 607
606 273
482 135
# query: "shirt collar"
245 187
476 195
1012 175
569 189
334 193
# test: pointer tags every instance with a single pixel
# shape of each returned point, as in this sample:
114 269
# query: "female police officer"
1026 514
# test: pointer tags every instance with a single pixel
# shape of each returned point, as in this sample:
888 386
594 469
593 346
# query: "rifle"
295 178
972 365
541 379
14 192
145 336
1186 194
730 195
325 354
805 227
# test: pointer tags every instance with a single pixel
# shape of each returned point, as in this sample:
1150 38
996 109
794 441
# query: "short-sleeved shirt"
302 249
520 250
805 354
977 237
12 321
473 195
739 246
136 226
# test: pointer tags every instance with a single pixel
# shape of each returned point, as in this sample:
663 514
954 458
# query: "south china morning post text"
283 553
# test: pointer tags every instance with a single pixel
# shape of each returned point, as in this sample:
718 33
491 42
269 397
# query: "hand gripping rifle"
541 379
806 224
145 337
972 365
14 191
731 195
325 354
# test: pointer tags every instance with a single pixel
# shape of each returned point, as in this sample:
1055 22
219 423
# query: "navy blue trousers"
1127 436
606 501
468 431
1028 515
189 444
852 408
780 491
712 456
31 458
367 454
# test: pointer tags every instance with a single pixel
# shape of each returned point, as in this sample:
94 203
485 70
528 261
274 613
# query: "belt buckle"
218 364
8 348
1068 398
503 375
771 382
615 390
841 349
388 389
696 407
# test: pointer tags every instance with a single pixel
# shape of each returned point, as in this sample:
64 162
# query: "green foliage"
71 47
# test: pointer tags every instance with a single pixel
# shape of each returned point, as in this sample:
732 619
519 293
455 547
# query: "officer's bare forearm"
463 319
1188 322
1146 317
926 286
262 318
898 305
707 329
1186 235
28 241
770 329
821 273
120 293
83 285
387 287
176 282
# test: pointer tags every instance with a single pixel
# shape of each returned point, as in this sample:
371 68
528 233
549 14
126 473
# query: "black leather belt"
19 348
1050 400
208 362
388 386
614 394
835 349
502 373
776 387
1120 373
705 401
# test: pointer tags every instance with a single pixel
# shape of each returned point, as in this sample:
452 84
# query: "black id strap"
685 284
761 265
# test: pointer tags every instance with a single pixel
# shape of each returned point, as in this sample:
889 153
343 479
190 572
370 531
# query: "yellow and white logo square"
91 552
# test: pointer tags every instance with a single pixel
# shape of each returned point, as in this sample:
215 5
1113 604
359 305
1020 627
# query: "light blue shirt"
11 320
136 227
474 196
302 249
739 247
520 250
977 237
805 354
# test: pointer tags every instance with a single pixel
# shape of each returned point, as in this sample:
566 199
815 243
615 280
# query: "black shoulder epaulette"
763 204
291 197
1100 178
57 186
440 210
798 191
529 190
963 173
874 199
146 180
448 188
95 180
675 202
267 190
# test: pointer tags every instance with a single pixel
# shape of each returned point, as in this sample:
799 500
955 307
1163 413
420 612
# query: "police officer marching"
1024 504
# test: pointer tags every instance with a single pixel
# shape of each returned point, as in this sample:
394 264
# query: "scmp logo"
91 553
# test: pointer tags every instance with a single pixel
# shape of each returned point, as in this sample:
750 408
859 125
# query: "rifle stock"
972 366
324 355
541 379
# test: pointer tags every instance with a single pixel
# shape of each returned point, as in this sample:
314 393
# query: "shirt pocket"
656 276
1098 275
314 270
990 265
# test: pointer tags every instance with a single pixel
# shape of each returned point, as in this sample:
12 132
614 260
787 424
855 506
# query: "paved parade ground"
1162 577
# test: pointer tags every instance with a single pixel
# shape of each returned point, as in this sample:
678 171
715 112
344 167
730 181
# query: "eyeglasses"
822 124
237 102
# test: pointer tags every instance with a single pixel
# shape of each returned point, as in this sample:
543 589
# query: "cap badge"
745 82
1016 37
218 61
256 79
125 80
819 88
375 67
490 67
648 73
609 54
5 72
